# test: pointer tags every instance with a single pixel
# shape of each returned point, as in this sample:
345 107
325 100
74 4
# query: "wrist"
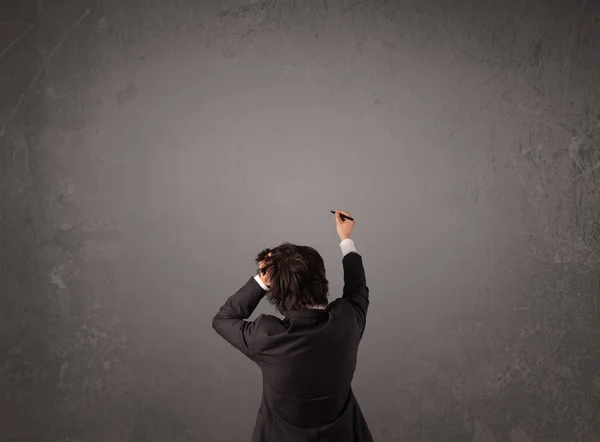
260 282
342 238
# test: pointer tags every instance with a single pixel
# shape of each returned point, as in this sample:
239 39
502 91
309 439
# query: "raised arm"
231 320
355 289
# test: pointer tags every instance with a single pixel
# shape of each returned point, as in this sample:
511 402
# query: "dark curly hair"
297 275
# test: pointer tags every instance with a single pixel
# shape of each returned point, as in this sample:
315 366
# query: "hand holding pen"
344 224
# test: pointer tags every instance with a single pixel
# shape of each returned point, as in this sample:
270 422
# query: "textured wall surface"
149 149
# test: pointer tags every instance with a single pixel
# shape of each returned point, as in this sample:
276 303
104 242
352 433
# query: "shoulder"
340 305
269 324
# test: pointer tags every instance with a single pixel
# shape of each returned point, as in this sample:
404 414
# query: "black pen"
343 216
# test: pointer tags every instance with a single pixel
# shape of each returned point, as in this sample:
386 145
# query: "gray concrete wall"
150 149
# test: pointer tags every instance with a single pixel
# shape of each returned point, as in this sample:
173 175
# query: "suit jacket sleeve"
230 322
356 291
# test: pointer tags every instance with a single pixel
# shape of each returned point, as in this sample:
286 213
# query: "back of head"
297 276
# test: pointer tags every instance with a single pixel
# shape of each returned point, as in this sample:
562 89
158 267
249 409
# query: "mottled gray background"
149 149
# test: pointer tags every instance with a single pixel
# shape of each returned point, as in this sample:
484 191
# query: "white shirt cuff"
347 246
264 287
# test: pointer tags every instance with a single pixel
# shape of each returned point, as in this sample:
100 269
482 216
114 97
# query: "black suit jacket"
307 361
